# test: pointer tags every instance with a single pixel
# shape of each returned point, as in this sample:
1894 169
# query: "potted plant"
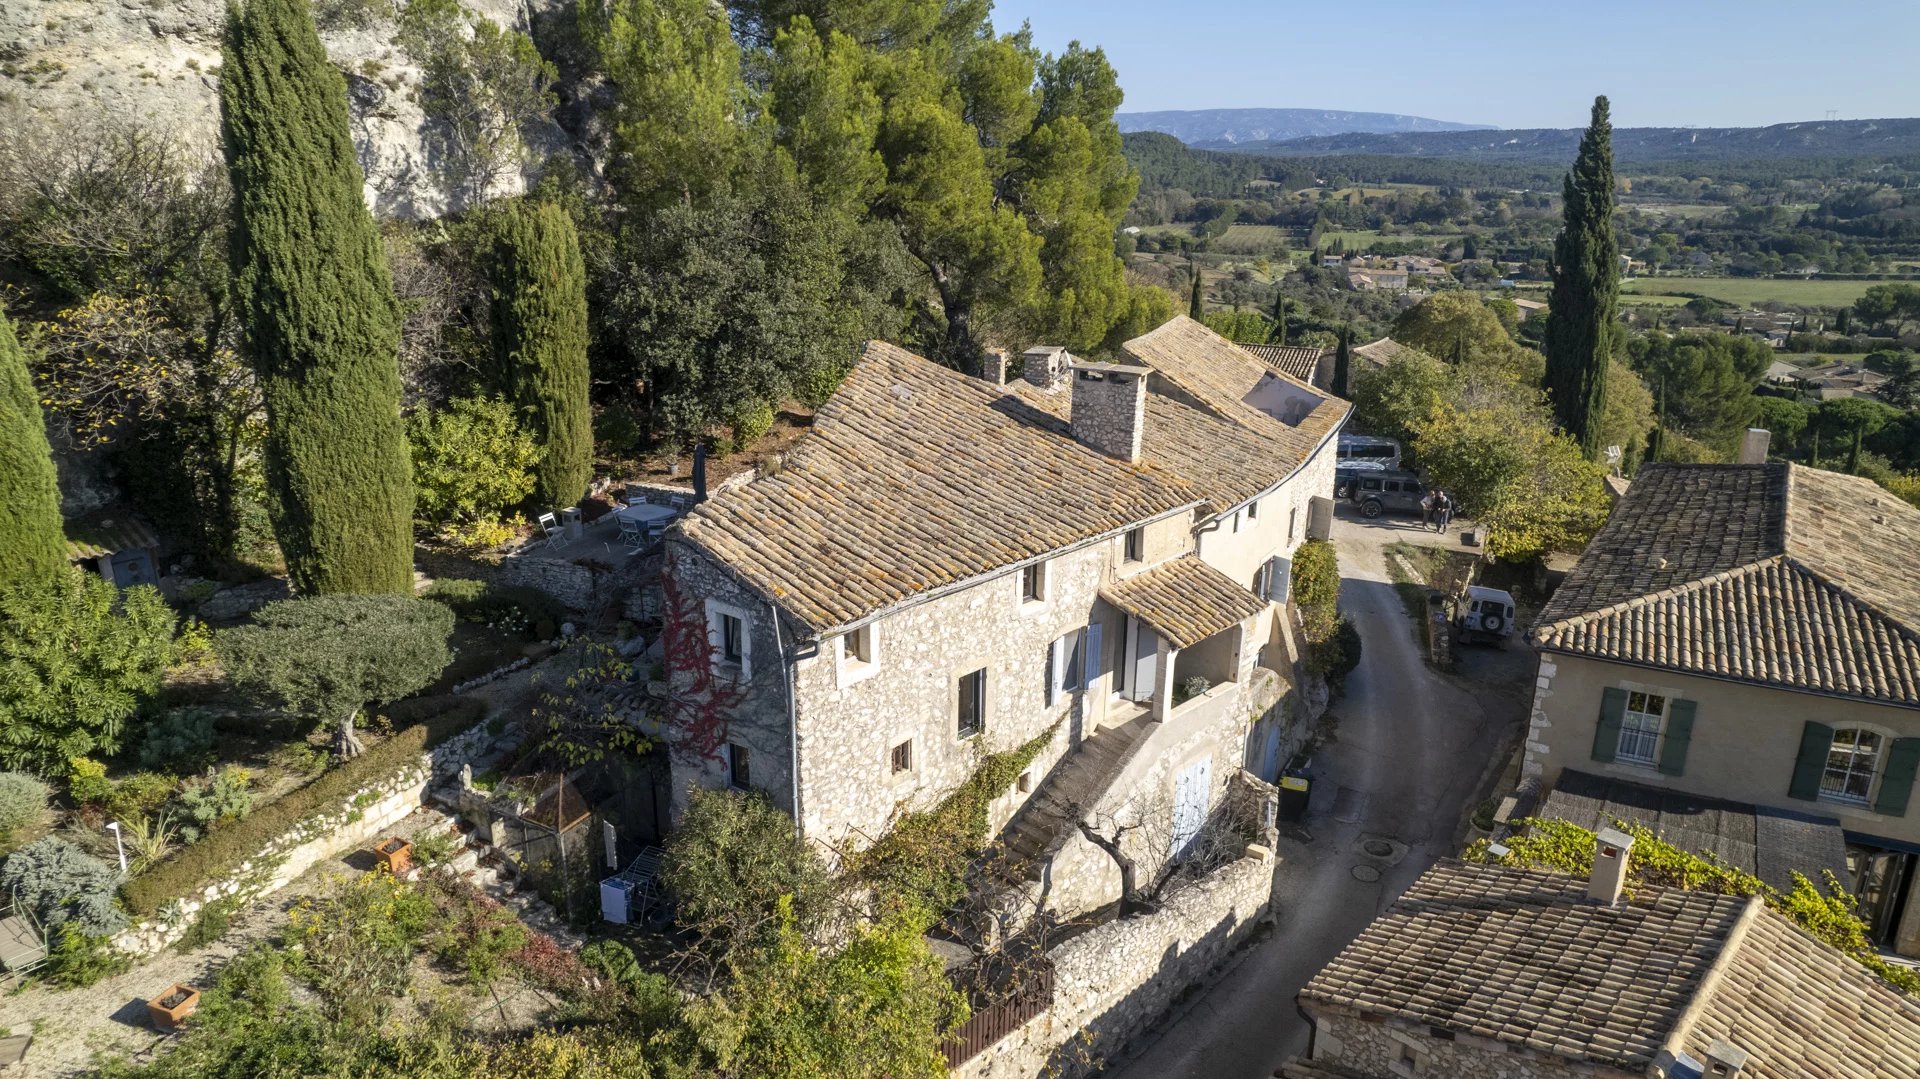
396 854
171 1008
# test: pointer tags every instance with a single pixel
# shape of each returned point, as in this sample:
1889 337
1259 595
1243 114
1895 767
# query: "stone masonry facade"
1382 1048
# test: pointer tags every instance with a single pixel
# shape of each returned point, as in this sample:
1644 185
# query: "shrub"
77 658
1316 589
210 924
87 782
357 945
432 721
141 794
180 739
81 959
194 646
62 885
480 534
523 610
23 803
148 839
470 460
734 860
211 801
751 424
617 431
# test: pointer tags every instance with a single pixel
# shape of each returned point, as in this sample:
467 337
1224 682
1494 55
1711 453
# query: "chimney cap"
1098 367
1611 837
1726 1057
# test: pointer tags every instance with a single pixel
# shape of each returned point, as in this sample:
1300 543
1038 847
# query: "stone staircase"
490 871
1052 815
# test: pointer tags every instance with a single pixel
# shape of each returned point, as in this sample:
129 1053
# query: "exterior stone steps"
1049 818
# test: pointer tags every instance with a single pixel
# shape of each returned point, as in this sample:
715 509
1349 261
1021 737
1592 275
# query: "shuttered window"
1855 766
1637 727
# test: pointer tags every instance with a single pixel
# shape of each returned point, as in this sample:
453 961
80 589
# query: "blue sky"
1703 63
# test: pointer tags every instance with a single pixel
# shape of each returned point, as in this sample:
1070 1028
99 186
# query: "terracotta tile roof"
1800 1008
107 531
1774 574
916 477
1380 353
1184 600
1523 957
1198 422
1295 360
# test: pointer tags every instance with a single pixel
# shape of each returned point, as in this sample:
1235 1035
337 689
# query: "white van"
1372 448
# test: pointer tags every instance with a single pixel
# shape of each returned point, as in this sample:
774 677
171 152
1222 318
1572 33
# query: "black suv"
1387 492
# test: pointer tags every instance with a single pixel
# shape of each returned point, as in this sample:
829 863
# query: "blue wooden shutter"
1673 745
1896 783
1606 733
1091 668
1815 740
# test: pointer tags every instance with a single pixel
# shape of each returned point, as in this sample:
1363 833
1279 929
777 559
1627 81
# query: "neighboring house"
1488 971
1841 379
1782 371
1530 308
1375 278
1376 354
116 544
947 567
1313 366
1750 634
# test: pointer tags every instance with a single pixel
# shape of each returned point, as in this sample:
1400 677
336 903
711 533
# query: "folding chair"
633 536
556 535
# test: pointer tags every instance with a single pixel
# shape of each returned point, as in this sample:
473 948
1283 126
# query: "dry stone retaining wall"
1114 981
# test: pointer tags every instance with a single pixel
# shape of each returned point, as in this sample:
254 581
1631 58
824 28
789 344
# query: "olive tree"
328 656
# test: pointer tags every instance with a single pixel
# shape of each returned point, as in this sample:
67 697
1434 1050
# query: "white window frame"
1066 665
716 640
1133 545
1043 581
1639 723
1873 763
848 665
985 676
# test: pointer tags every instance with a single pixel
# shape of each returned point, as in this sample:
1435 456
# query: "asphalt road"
1388 794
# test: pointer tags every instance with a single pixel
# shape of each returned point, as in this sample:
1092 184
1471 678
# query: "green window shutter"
1674 739
1815 740
1896 783
1606 736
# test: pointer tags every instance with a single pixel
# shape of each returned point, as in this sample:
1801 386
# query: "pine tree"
317 306
539 310
1586 289
1195 308
1342 362
33 545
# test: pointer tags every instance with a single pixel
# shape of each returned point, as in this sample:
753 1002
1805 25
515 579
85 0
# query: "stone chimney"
1109 407
1046 366
1609 877
1753 447
993 366
1725 1059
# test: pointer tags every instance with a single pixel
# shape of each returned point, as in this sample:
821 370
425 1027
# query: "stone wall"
349 825
578 586
1112 982
1377 1046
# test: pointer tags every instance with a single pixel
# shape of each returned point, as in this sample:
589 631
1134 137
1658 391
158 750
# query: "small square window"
1033 583
1025 783
739 776
972 704
733 636
859 644
1253 510
901 759
1136 544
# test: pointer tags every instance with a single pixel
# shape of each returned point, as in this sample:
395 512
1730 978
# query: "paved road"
1410 746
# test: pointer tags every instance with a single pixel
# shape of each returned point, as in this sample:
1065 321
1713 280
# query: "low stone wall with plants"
340 811
1112 982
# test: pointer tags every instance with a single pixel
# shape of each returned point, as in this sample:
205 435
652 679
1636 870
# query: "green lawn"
1748 291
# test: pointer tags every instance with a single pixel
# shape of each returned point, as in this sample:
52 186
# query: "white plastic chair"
556 535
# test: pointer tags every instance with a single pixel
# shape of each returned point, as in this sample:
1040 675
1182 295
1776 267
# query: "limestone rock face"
156 63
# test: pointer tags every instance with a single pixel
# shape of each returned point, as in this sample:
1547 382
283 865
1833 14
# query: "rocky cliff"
156 63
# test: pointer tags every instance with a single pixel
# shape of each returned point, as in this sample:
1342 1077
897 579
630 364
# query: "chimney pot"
1753 446
1109 408
1609 878
1046 366
1725 1058
994 366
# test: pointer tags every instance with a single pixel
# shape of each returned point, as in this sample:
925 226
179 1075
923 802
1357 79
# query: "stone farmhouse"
1735 661
1503 973
947 566
1314 366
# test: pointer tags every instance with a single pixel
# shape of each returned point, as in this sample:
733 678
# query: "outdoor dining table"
644 514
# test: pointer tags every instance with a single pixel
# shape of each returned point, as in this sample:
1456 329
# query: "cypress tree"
1586 289
1342 361
1194 306
539 287
33 545
318 308
1279 336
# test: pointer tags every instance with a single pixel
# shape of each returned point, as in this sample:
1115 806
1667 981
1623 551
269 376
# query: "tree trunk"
1130 902
347 744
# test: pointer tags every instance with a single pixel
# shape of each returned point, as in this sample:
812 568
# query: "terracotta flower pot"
171 1008
396 854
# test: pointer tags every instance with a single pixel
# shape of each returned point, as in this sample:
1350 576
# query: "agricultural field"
1256 239
1750 291
1362 239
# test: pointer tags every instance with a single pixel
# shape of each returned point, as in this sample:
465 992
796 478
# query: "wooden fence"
991 1022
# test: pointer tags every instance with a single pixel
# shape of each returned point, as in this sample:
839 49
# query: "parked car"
1483 614
1348 473
1357 448
1387 491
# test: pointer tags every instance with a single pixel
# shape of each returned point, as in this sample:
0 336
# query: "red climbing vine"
699 704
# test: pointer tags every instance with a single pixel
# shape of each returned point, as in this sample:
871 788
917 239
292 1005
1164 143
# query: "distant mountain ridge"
1821 138
1233 127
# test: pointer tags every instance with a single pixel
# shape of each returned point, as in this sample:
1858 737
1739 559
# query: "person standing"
1426 508
1442 511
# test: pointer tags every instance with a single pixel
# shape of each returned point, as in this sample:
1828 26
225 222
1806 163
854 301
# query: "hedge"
434 720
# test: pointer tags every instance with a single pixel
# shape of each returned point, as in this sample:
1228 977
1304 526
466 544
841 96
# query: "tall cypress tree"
539 287
1586 289
32 543
1195 308
1343 362
1279 335
318 308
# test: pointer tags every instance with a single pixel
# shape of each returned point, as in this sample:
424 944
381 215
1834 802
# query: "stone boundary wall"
1114 981
349 824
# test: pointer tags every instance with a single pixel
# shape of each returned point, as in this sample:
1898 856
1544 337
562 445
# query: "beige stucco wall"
1746 738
